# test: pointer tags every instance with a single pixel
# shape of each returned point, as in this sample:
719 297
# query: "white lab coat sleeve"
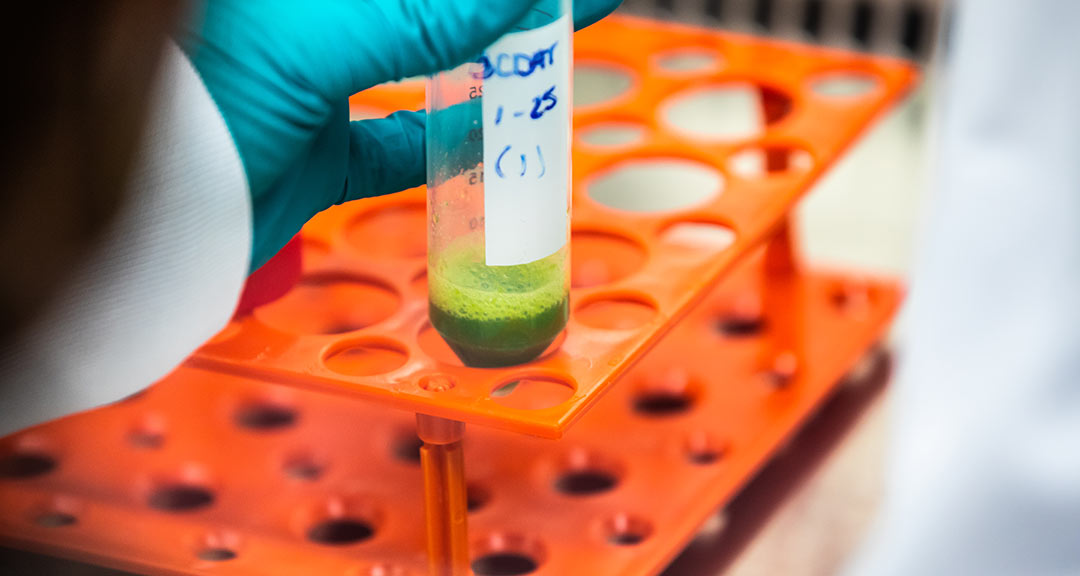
984 474
164 278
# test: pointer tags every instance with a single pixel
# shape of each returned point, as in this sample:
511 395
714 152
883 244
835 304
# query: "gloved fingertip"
386 155
589 12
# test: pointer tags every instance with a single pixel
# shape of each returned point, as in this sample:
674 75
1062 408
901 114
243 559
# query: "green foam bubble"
496 315
460 283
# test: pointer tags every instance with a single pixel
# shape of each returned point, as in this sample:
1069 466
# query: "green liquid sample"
495 316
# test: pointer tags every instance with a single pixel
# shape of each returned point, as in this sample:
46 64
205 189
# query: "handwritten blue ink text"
524 65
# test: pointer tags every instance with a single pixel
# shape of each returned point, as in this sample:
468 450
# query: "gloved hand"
281 72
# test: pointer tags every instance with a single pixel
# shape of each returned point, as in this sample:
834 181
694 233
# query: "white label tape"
526 112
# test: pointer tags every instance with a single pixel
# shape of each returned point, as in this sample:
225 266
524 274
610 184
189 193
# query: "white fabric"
165 278
985 465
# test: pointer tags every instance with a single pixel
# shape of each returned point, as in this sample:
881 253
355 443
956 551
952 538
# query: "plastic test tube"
498 153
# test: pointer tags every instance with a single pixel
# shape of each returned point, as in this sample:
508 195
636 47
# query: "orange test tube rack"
698 344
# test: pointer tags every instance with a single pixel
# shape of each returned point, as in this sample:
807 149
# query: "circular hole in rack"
668 393
406 447
602 258
627 530
726 112
740 326
760 162
507 555
695 61
148 435
533 392
612 135
391 231
57 512
703 450
330 304
504 564
366 358
303 467
616 312
55 519
341 531
596 84
476 497
699 235
656 185
586 482
742 317
586 474
180 497
21 465
217 547
661 403
265 416
339 521
784 368
216 554
844 85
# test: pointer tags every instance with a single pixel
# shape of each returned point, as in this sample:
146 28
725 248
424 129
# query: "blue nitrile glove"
281 72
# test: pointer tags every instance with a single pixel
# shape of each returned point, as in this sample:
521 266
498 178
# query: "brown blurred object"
78 77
